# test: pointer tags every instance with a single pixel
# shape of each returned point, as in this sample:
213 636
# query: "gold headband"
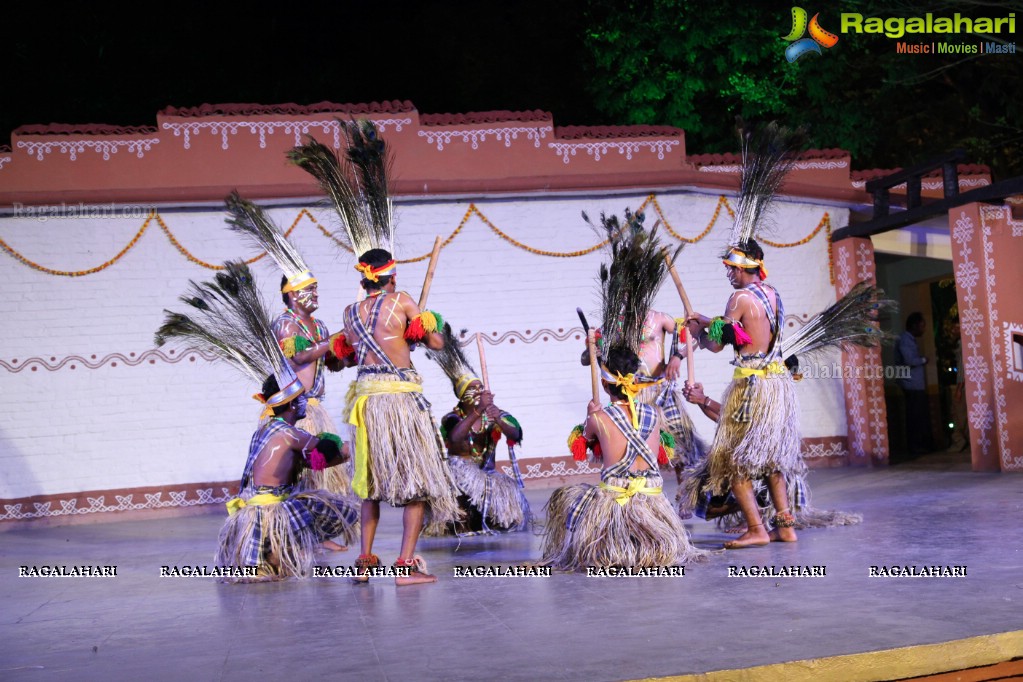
299 281
738 259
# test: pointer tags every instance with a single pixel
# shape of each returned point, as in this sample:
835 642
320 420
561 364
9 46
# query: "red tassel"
662 456
682 333
597 452
579 449
415 331
741 337
317 462
341 348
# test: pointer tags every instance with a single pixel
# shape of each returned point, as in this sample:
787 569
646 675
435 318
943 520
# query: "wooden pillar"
865 408
987 248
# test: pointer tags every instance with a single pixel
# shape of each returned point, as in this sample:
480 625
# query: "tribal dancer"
661 388
758 435
399 455
626 520
305 340
490 499
272 524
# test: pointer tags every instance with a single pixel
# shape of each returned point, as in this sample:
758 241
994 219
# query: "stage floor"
138 625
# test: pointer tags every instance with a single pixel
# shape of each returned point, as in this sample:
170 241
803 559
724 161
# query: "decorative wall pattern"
72 148
228 129
626 148
476 136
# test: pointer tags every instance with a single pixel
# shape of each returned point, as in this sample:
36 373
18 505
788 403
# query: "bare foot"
755 536
736 530
783 535
331 546
417 572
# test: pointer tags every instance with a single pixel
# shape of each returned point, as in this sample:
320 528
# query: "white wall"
160 423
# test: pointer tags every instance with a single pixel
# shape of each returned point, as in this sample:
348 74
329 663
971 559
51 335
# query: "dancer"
304 339
626 520
490 499
398 455
272 525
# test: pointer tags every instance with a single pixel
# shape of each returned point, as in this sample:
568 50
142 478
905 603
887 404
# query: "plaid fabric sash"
319 382
259 440
635 447
364 342
765 295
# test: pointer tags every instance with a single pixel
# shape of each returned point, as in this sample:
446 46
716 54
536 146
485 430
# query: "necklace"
313 337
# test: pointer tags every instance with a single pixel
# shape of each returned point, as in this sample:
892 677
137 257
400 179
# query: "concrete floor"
566 627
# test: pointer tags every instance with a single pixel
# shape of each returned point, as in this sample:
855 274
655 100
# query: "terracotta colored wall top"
201 153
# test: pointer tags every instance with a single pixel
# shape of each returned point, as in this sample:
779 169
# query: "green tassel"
302 344
716 329
667 440
331 437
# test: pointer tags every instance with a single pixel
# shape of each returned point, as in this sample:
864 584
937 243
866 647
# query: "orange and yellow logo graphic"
803 46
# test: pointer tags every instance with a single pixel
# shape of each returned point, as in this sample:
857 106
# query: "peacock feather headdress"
230 320
250 221
356 183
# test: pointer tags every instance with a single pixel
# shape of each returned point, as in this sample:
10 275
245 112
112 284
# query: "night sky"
121 68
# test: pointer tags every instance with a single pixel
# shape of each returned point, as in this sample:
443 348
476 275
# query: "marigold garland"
472 210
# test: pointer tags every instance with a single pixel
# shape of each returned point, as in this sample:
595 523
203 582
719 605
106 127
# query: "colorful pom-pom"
415 331
336 439
302 344
578 449
340 347
317 462
741 337
716 329
288 347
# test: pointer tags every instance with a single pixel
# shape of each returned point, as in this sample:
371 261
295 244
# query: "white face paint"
307 299
732 273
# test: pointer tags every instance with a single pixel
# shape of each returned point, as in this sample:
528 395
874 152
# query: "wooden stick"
591 345
690 360
483 362
429 273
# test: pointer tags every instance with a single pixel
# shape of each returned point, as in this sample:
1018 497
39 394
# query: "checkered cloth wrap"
635 448
260 438
364 343
319 387
304 511
766 295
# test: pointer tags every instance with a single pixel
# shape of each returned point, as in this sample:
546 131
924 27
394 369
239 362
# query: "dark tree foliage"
696 64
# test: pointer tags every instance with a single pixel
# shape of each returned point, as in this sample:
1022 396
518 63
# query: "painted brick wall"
98 422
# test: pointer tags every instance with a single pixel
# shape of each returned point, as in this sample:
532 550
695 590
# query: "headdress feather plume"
767 157
451 359
229 320
847 322
356 183
629 283
250 221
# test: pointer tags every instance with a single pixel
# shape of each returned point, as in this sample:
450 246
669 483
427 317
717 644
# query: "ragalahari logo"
803 46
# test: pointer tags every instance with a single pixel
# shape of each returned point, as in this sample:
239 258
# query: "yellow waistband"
772 368
365 387
636 486
260 500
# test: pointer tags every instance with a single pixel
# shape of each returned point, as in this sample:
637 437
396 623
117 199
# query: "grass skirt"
335 479
406 463
689 447
288 531
644 532
798 490
768 442
491 495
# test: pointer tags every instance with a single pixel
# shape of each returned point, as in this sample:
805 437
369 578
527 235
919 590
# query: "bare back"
651 348
276 462
395 311
745 308
613 442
